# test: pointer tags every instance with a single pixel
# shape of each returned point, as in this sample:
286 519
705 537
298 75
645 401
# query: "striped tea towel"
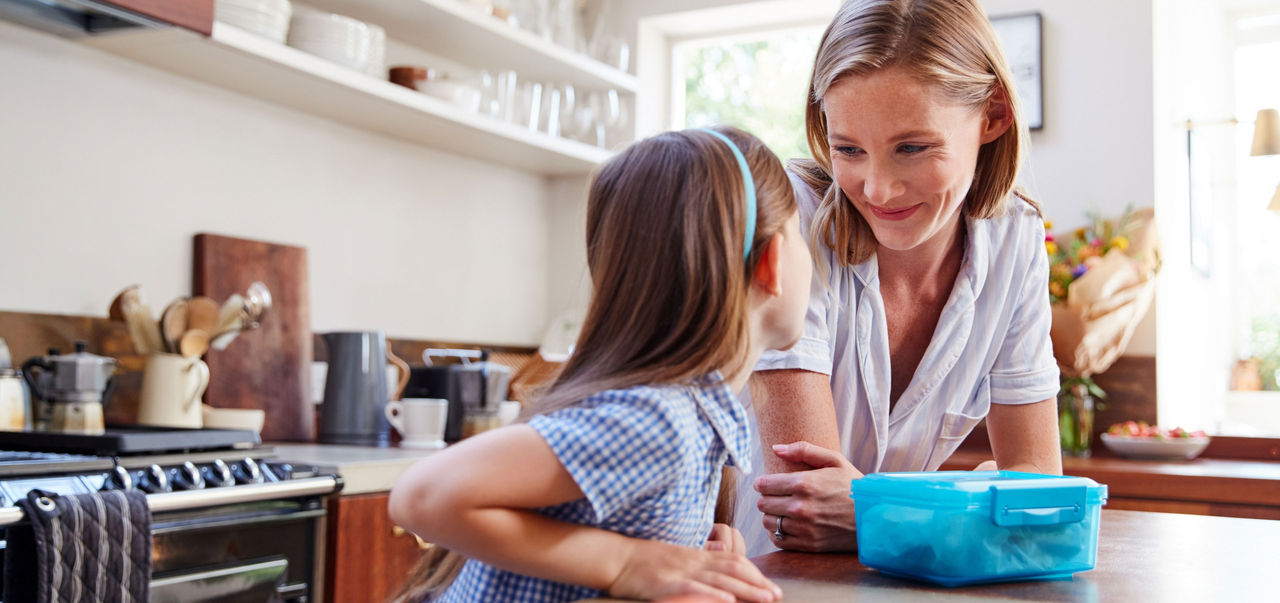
80 548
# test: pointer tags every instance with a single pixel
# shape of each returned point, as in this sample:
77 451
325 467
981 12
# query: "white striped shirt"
991 345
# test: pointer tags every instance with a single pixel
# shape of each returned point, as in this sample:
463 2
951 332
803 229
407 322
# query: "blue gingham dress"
648 461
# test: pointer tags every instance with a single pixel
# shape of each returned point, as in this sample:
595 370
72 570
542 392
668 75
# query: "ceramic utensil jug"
355 389
75 384
172 388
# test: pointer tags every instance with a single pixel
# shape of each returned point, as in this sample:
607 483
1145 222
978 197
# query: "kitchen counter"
1232 488
1141 557
364 469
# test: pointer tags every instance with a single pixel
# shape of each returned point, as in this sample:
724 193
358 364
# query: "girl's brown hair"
947 43
665 229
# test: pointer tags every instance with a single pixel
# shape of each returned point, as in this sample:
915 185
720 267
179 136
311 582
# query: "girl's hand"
727 538
986 466
817 513
657 569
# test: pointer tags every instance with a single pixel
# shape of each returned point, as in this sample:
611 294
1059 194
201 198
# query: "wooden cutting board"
269 367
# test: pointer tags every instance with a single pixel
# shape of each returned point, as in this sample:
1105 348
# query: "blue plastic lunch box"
965 527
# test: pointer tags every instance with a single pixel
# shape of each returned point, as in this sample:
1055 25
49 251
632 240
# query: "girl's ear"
997 117
767 275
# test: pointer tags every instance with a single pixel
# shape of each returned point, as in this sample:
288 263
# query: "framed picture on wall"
1021 39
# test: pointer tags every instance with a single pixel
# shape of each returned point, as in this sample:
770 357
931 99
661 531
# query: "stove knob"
278 472
186 477
218 475
247 472
154 480
118 479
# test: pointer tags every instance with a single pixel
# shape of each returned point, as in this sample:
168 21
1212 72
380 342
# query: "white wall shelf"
461 32
246 63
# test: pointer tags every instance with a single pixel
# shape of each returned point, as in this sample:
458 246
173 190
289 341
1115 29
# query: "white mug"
420 421
172 386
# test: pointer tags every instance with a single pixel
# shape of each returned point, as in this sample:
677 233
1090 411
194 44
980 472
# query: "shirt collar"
973 269
727 417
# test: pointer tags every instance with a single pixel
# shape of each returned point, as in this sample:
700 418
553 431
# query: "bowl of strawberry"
1137 439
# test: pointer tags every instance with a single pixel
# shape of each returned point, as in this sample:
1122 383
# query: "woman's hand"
727 538
816 511
657 569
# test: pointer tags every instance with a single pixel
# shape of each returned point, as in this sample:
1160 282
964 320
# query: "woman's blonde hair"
946 43
665 228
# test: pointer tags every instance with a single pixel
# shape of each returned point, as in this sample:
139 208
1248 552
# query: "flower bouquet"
1101 284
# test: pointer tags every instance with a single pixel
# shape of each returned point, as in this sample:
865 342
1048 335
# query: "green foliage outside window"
759 86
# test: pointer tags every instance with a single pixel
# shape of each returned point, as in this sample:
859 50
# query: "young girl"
698 265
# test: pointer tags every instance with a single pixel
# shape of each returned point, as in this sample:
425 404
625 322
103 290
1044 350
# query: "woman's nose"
881 184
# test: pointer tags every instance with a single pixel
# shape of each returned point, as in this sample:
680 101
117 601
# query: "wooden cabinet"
367 557
196 15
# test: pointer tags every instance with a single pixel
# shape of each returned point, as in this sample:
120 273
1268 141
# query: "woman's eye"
848 150
912 149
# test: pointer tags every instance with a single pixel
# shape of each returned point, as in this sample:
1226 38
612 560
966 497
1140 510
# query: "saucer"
423 444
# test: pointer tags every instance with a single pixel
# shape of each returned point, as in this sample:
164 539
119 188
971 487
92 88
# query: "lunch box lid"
1016 498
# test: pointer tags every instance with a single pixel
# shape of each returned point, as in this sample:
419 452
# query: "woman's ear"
768 272
997 117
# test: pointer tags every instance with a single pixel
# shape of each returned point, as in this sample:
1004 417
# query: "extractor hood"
73 18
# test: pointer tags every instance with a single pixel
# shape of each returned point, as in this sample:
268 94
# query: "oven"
227 525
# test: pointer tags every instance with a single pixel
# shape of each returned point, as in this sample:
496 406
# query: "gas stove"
234 516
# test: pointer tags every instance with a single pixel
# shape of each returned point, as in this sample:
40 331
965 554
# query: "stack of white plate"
343 40
267 18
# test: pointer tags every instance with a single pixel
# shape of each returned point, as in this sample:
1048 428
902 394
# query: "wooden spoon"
173 323
194 343
202 313
130 294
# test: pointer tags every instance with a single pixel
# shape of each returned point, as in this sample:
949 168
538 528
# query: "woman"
929 309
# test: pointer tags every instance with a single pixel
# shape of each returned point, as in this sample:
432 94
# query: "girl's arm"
475 497
1024 437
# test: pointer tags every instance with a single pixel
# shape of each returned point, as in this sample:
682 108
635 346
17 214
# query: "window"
1255 283
756 82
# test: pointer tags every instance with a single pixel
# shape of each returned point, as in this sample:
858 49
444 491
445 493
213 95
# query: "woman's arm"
793 406
809 482
477 496
1024 437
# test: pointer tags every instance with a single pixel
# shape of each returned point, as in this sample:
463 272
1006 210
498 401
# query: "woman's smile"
894 214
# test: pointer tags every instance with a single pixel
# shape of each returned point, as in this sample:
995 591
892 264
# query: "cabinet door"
196 15
367 556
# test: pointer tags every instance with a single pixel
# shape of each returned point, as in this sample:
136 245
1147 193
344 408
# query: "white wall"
107 169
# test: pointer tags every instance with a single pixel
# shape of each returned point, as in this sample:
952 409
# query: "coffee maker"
474 389
71 389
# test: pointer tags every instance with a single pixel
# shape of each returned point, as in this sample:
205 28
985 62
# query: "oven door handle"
195 499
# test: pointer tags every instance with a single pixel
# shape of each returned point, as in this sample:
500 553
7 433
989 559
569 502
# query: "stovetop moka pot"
73 386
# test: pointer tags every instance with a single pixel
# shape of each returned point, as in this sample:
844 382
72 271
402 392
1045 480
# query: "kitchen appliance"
230 520
74 386
475 390
15 400
355 389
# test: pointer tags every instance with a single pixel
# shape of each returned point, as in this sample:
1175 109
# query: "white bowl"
343 40
234 418
267 18
1155 448
461 94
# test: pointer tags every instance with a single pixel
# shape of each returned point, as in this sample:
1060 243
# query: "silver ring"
45 503
777 531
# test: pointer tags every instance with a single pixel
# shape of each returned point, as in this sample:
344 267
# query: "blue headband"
748 184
